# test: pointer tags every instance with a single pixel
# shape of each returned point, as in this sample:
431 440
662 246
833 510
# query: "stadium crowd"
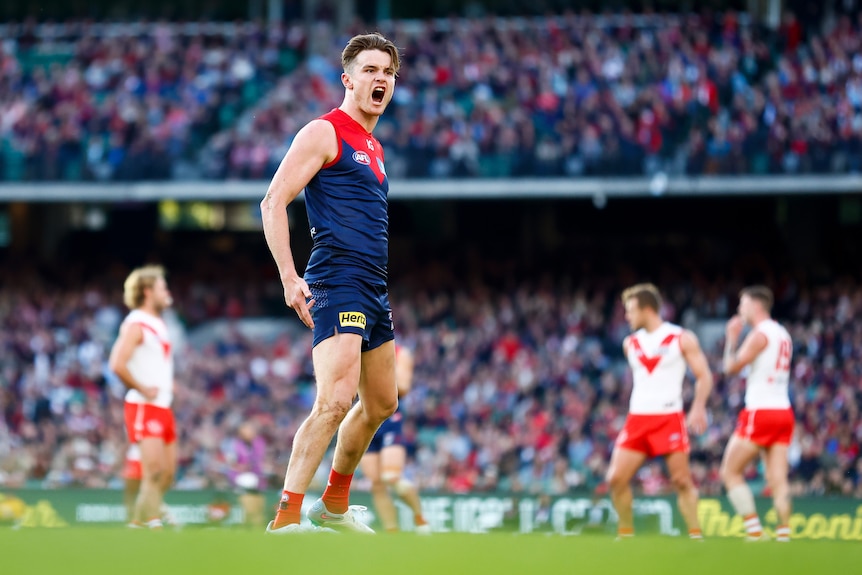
522 388
128 101
561 95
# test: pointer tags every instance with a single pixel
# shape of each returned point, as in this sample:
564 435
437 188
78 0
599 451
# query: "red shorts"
145 420
766 427
132 470
654 435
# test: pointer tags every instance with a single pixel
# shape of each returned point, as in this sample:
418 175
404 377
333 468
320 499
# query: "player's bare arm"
699 366
313 147
131 336
735 360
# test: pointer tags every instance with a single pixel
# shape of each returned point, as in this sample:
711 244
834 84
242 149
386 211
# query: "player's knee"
682 482
778 485
154 473
381 411
616 480
729 476
390 478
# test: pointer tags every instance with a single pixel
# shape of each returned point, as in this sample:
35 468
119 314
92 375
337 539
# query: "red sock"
626 531
289 509
419 520
337 492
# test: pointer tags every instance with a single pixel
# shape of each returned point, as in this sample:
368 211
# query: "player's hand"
697 419
733 328
150 393
297 296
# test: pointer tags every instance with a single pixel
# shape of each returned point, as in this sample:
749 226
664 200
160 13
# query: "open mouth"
377 94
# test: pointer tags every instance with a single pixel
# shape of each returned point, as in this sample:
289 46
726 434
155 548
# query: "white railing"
598 189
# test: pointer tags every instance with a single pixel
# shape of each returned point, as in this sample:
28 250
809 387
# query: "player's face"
634 314
161 295
746 307
371 80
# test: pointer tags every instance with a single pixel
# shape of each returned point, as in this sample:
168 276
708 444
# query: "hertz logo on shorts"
352 319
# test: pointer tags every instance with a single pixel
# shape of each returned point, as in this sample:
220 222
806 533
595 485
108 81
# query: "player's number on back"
782 364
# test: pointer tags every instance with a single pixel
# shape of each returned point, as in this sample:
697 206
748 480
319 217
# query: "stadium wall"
833 518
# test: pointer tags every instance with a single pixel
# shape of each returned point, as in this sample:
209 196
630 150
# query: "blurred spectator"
245 455
520 388
129 101
575 95
564 95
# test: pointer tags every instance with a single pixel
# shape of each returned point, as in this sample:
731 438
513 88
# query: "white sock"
752 525
742 500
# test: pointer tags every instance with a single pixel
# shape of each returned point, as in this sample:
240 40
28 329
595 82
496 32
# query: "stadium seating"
553 96
520 389
128 101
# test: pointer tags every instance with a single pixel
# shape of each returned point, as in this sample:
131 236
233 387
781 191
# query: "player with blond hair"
658 353
142 358
766 423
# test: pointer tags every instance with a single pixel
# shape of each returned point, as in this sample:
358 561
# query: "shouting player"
658 353
384 462
142 358
766 423
343 295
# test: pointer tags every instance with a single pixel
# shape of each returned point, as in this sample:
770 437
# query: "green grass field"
118 551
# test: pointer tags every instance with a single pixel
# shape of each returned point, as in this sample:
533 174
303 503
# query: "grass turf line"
94 551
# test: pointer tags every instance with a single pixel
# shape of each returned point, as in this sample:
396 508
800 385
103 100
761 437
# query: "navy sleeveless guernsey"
347 210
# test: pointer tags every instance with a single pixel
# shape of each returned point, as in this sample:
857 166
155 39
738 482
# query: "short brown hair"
647 295
363 42
760 293
139 280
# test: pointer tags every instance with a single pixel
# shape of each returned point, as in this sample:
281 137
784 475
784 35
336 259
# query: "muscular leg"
392 461
149 501
680 477
370 465
170 467
776 476
624 465
130 495
337 364
378 399
738 454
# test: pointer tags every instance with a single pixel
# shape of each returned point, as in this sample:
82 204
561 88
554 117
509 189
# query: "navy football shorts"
348 309
388 434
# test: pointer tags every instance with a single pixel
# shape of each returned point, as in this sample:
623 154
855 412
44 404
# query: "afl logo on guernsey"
361 158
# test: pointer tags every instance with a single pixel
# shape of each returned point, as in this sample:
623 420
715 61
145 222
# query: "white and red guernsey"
151 364
658 369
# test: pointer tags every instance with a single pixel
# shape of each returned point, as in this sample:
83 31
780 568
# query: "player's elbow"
115 365
266 205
